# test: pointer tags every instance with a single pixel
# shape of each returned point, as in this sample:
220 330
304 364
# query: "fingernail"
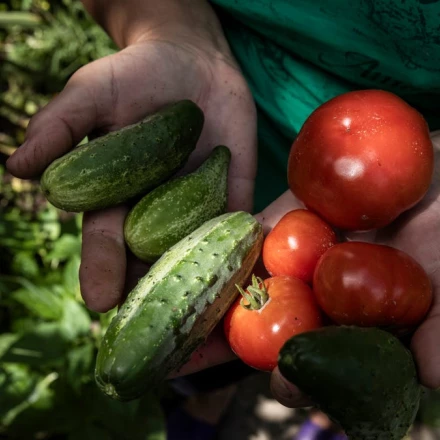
282 388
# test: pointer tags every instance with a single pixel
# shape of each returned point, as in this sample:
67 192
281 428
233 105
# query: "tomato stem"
256 295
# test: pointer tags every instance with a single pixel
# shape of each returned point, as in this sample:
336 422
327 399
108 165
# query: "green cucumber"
178 207
126 163
365 379
176 305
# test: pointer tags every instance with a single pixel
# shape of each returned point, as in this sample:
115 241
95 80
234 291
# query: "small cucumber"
178 207
363 378
176 305
123 164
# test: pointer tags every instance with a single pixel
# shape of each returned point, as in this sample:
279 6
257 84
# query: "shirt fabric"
297 54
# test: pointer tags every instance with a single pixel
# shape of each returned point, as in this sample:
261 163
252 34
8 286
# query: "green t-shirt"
297 54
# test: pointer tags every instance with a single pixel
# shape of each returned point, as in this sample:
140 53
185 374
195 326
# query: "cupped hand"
160 67
416 232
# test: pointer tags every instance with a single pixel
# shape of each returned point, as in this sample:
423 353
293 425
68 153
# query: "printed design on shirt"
404 29
411 29
368 67
428 2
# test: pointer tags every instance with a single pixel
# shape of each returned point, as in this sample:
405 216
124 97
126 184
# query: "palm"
417 233
217 86
148 75
154 73
122 89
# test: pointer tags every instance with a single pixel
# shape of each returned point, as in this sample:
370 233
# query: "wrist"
131 21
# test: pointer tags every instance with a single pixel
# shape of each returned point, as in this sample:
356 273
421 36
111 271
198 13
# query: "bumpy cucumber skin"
178 207
125 163
176 305
363 378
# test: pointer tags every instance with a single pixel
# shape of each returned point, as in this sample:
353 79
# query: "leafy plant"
42 44
49 339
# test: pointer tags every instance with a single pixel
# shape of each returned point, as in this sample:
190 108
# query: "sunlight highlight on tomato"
295 244
361 159
365 284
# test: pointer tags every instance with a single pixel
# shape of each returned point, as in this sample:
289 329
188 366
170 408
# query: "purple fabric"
311 431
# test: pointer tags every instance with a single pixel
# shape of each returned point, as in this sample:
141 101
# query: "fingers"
103 258
231 120
136 269
286 393
271 215
426 349
59 126
214 351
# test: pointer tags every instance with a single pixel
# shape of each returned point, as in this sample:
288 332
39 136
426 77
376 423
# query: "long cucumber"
176 305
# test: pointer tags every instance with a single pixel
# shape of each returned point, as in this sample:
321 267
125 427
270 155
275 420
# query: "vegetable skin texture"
122 164
365 379
178 207
176 305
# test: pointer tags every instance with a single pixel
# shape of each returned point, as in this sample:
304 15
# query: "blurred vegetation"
41 44
48 339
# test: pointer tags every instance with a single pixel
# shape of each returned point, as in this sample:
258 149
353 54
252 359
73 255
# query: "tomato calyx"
256 295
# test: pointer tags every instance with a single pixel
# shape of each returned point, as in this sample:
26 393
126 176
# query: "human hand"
165 61
416 232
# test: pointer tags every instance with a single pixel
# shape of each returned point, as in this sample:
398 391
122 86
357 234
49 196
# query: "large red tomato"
294 245
366 284
361 159
280 308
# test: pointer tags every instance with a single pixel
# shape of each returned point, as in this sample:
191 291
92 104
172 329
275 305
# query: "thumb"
59 126
425 346
287 393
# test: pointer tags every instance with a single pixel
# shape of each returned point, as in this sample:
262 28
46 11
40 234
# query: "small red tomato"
372 285
294 245
361 159
270 312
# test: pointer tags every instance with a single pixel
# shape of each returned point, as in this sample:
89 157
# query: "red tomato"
368 285
294 245
361 159
257 335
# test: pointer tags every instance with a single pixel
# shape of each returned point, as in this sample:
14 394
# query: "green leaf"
76 320
25 264
40 391
6 340
49 223
46 344
22 325
80 365
16 383
104 321
18 18
65 247
41 301
71 276
58 411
